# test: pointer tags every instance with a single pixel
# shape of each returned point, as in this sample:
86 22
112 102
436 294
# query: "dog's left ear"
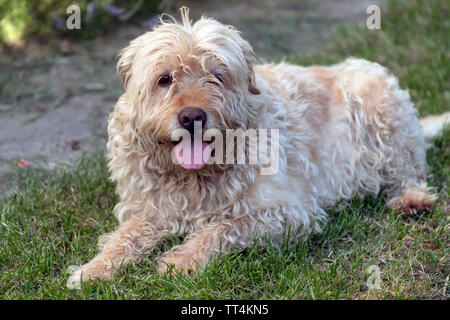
126 57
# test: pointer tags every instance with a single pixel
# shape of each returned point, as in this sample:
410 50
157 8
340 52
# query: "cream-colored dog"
344 130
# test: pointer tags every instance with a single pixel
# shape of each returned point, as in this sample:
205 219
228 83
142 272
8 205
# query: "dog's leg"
133 238
415 196
200 248
220 237
405 175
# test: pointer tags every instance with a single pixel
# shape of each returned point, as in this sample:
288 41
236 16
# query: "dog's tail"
433 125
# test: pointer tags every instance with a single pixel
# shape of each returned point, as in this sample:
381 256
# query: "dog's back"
359 122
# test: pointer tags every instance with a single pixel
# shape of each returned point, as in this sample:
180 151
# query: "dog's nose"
189 115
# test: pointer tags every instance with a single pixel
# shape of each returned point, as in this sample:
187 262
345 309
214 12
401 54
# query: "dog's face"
181 73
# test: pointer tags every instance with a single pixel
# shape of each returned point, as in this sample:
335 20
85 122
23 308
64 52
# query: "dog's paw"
176 263
87 273
413 201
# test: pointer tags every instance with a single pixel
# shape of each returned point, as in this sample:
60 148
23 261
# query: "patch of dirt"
54 105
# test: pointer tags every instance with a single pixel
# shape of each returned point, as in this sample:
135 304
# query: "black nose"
189 115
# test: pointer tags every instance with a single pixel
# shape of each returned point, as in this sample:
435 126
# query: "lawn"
57 218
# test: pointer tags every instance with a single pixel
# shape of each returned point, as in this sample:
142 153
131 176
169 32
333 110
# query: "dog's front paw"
176 262
87 273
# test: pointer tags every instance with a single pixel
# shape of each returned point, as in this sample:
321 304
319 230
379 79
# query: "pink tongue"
198 156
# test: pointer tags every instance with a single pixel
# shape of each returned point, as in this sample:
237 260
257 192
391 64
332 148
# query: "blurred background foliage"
46 19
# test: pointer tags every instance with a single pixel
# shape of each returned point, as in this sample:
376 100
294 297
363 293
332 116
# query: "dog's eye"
165 80
217 77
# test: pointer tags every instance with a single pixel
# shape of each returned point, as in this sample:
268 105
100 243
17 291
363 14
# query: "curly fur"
346 129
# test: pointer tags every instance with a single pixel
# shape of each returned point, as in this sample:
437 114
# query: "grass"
56 221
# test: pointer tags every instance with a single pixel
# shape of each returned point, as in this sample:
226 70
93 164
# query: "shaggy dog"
344 130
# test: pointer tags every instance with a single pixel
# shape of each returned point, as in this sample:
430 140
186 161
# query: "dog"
344 130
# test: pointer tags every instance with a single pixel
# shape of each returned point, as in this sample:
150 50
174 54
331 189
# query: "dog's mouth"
191 155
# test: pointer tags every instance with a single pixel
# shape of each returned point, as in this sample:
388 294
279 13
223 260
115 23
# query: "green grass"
56 221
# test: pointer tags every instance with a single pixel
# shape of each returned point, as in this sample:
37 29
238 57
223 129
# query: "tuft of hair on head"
166 18
184 11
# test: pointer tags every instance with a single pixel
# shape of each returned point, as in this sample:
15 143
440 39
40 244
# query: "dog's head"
180 73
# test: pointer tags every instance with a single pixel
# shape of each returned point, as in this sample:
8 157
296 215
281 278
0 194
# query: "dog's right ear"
126 58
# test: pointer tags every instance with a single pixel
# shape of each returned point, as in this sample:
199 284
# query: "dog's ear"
250 60
251 84
125 62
